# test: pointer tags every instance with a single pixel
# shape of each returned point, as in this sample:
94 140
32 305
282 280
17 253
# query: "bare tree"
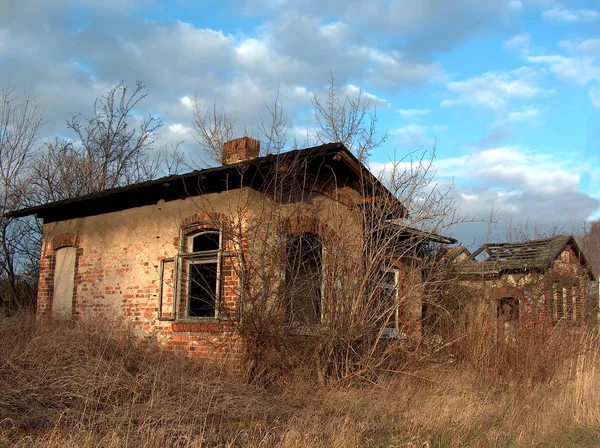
20 120
114 147
213 127
274 130
590 243
348 120
111 141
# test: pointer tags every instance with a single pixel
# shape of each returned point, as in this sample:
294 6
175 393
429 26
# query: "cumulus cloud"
529 115
70 61
579 64
518 42
436 25
523 185
50 47
494 90
518 185
425 27
354 91
594 93
578 70
570 16
515 5
70 56
583 46
411 134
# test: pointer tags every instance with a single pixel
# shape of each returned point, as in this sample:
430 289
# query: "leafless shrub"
344 292
323 297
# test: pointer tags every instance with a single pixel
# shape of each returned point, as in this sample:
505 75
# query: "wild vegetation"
76 383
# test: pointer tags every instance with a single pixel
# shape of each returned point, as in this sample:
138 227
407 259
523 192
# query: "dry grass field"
77 384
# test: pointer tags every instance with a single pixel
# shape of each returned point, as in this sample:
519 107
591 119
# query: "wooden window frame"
394 330
202 257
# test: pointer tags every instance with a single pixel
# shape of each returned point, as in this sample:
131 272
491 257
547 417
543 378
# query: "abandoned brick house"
545 281
172 255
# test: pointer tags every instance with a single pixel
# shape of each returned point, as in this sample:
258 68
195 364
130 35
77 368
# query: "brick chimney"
239 150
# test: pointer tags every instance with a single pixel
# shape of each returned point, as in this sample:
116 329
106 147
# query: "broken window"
303 278
568 299
203 265
558 301
386 308
508 309
564 303
574 297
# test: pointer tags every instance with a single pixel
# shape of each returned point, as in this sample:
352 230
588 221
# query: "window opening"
558 302
386 308
508 309
203 272
303 279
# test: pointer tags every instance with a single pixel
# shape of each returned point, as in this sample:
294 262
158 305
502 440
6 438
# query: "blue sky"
509 90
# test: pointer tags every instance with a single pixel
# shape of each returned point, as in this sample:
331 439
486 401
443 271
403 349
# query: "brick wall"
535 293
120 256
118 265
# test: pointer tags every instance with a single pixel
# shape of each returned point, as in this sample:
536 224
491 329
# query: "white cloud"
186 102
411 134
510 168
581 66
570 16
413 113
585 46
518 42
374 99
495 90
579 70
179 131
469 197
594 93
515 5
527 114
391 69
518 185
260 59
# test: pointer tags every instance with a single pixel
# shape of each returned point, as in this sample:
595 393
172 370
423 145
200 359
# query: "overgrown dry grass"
77 384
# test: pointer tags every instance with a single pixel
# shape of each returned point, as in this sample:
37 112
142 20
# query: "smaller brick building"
545 281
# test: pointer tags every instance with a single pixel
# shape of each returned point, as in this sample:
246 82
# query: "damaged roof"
453 253
406 232
533 255
327 159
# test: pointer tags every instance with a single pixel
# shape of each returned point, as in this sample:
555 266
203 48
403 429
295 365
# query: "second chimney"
239 150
